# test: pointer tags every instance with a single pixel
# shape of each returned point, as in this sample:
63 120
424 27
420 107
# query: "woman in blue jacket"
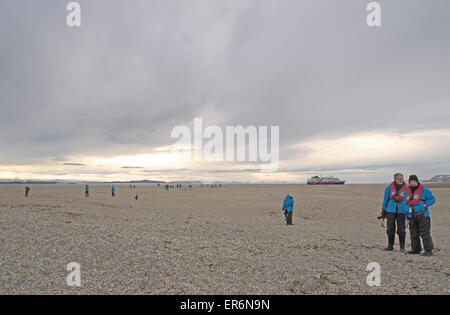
288 208
419 199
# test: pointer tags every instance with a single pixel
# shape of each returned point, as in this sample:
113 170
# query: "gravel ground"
229 240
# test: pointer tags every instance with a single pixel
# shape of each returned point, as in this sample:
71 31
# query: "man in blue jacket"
288 208
395 210
419 199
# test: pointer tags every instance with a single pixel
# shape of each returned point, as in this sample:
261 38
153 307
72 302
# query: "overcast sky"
98 102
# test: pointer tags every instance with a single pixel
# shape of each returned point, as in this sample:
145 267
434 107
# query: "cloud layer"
95 102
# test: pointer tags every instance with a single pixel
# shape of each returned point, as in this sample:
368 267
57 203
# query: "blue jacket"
288 204
426 200
113 189
391 205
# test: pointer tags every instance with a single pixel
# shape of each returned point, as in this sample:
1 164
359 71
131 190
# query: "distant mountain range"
30 182
54 182
438 179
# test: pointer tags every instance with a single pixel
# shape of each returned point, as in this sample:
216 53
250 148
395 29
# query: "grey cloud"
136 69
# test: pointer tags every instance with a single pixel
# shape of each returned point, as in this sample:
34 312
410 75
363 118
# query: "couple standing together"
412 202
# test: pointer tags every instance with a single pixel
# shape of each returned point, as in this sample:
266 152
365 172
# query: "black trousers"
288 216
396 221
420 228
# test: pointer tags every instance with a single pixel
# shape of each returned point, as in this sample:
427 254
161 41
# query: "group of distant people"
408 201
86 191
113 189
167 186
211 185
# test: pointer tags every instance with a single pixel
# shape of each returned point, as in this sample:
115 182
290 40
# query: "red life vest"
397 195
414 199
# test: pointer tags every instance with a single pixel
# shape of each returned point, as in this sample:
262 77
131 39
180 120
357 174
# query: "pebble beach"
229 240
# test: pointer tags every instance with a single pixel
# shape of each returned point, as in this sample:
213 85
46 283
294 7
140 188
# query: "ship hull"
341 182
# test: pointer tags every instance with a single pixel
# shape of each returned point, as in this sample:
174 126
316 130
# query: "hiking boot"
402 243
413 252
428 254
390 246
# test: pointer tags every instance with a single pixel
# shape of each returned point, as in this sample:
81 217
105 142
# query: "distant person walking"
395 210
288 208
27 191
419 198
113 191
86 191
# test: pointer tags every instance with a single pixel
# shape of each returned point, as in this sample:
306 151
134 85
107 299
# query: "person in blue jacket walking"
86 191
288 208
395 210
113 191
419 199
